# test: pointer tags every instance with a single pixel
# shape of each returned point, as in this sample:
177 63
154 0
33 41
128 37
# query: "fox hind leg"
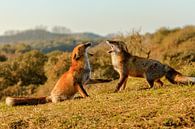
150 82
159 82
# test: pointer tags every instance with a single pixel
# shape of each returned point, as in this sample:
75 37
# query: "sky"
98 16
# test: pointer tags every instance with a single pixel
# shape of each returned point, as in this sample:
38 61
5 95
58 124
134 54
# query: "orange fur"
69 83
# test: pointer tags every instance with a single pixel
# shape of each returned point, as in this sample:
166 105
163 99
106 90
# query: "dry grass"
170 106
137 107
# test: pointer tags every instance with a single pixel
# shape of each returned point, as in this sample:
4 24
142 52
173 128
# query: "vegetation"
43 40
176 47
25 70
30 66
170 106
3 58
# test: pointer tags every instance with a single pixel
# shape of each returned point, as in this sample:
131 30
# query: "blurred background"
37 37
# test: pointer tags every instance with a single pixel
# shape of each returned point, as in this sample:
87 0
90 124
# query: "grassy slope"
136 107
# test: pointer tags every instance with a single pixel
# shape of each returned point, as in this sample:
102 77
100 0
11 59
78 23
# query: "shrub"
58 63
31 68
3 58
24 70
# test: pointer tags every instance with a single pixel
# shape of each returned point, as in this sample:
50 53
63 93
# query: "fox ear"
125 47
108 41
76 56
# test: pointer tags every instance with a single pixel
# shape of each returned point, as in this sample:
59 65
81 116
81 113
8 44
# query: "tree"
61 30
11 32
41 27
22 48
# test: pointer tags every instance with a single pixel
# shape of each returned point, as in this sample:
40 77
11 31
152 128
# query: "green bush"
58 62
24 70
31 68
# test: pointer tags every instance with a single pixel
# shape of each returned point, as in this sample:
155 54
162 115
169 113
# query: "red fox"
128 65
69 83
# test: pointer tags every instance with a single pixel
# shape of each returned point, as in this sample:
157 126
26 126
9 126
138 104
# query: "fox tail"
16 101
177 78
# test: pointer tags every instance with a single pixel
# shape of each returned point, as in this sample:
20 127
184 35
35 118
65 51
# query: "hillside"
28 72
173 45
17 75
170 106
38 35
44 41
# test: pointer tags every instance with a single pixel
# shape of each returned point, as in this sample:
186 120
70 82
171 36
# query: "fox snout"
111 50
113 46
87 44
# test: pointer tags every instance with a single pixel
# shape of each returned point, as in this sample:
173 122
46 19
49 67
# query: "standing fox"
128 65
69 83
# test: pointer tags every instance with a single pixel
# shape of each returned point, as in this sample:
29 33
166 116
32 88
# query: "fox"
128 65
69 83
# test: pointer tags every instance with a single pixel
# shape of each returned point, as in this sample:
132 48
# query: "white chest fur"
87 64
115 61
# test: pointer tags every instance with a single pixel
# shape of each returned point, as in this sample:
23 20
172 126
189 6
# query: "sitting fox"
128 65
69 83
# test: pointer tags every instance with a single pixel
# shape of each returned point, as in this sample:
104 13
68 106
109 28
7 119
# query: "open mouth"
88 44
110 51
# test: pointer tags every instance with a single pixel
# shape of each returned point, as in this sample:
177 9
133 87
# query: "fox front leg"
81 90
124 84
120 83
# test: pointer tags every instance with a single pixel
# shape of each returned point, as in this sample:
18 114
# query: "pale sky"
98 16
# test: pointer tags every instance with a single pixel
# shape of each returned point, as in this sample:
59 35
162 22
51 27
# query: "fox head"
80 51
117 46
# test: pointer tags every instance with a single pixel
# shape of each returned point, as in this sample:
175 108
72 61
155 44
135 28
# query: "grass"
135 107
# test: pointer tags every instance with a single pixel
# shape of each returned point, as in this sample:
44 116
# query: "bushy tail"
177 78
16 101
